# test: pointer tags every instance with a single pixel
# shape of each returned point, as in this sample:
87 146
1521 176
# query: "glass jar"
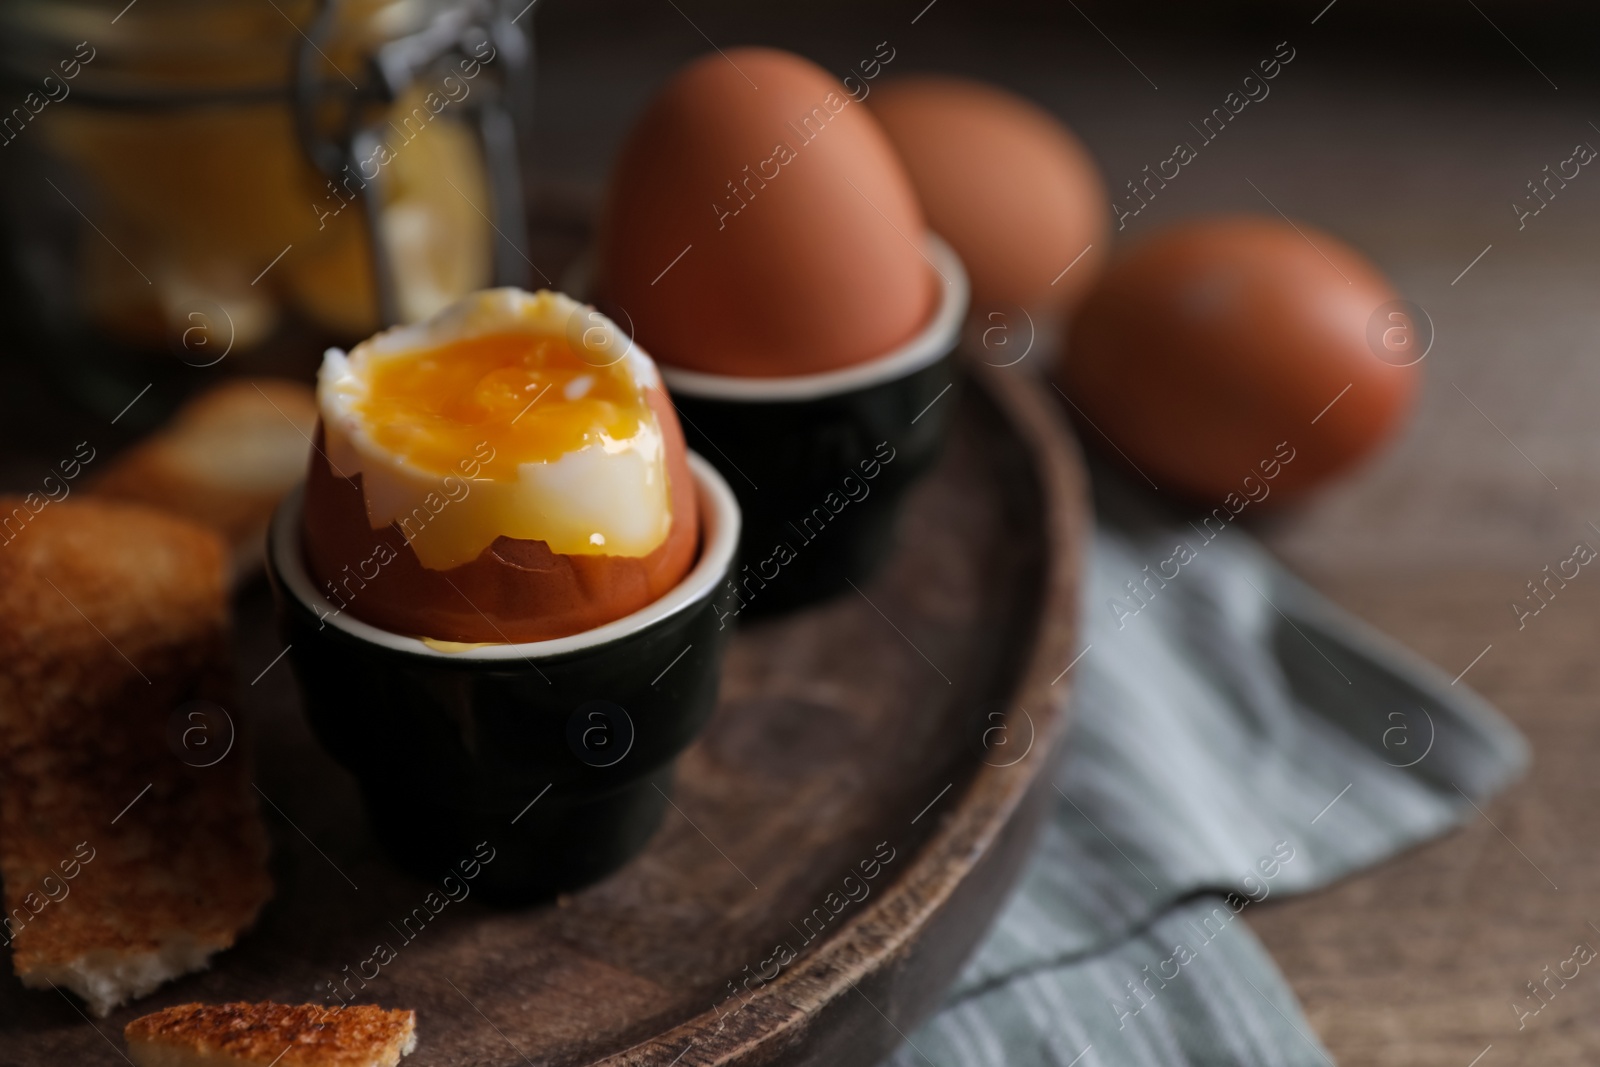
186 181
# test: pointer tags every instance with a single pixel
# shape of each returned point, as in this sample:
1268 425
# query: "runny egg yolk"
531 399
491 420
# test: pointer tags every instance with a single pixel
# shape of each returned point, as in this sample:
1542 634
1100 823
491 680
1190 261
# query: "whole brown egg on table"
1215 349
1015 193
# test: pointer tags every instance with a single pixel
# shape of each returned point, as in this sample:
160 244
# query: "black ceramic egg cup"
821 463
555 757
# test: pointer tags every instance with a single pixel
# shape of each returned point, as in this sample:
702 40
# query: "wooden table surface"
1410 138
1420 961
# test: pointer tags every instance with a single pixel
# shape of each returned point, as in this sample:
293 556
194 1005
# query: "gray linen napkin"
1236 738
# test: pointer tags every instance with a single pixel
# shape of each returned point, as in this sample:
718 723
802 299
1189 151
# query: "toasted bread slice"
256 1035
225 460
130 851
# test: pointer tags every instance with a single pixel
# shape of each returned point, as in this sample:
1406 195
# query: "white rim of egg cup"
930 344
719 536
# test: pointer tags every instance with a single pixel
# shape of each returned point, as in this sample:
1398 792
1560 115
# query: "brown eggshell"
808 265
1211 344
516 590
1012 190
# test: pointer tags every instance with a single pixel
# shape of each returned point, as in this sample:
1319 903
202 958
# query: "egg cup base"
593 838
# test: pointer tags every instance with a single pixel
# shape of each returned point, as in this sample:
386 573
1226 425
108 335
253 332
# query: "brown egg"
1012 189
1214 350
515 590
509 470
758 223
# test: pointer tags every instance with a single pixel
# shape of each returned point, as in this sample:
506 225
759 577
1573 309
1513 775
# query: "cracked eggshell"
511 589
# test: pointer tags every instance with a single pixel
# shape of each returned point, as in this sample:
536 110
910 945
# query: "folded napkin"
1235 738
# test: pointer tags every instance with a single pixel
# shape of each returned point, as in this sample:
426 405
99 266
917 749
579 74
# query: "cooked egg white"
507 414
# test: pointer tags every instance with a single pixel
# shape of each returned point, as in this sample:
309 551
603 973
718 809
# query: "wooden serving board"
846 828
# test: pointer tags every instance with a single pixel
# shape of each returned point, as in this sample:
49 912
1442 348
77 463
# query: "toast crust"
292 1035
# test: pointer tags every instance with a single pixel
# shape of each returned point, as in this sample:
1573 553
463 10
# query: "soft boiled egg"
508 470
